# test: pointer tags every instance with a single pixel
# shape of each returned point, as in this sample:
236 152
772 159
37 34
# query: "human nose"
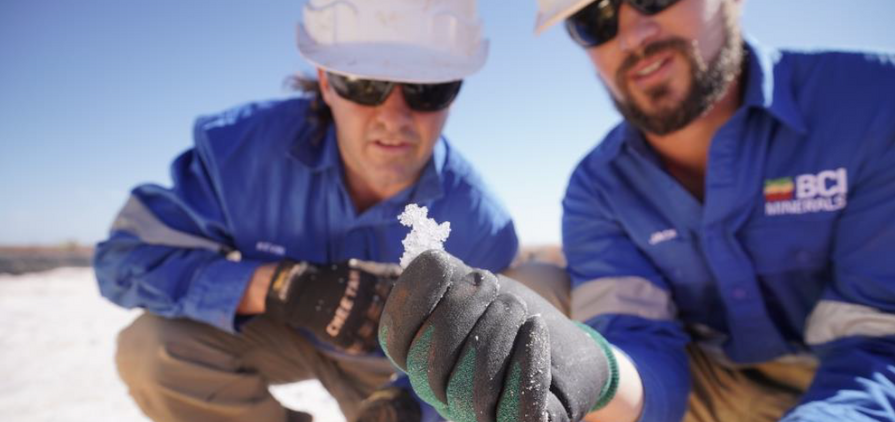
635 29
394 113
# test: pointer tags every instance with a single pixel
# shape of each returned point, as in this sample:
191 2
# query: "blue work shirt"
258 187
791 254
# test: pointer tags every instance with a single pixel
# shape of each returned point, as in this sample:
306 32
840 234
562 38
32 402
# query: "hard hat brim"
391 61
547 18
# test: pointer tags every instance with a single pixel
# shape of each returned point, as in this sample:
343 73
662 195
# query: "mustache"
674 44
405 135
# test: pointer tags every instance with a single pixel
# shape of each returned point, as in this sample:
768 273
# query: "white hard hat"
553 11
418 41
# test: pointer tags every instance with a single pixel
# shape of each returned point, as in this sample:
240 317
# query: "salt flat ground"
57 341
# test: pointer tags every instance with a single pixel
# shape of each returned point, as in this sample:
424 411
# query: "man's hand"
339 303
484 348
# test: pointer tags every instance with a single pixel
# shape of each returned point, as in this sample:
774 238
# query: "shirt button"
739 293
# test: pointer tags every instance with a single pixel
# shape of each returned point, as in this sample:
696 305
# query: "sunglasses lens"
598 21
595 24
419 97
651 7
430 97
362 91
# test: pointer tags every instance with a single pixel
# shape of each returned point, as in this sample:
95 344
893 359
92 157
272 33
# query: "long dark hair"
319 114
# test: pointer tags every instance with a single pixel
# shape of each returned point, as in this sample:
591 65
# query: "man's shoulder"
839 75
842 59
843 95
260 125
253 113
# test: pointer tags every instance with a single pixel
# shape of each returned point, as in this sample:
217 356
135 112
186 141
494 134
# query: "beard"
708 82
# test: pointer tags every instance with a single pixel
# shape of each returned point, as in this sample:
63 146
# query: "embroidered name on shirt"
822 192
662 236
270 248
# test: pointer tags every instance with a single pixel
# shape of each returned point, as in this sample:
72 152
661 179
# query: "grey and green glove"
485 348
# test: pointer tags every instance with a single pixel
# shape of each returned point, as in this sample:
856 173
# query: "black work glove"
338 303
390 404
480 347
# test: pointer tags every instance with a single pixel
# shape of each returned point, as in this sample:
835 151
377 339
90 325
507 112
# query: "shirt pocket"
791 245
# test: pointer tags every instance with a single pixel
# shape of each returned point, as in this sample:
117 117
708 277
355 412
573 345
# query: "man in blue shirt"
744 207
730 244
269 258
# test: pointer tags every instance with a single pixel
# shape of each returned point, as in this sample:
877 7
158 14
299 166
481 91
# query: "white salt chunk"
424 234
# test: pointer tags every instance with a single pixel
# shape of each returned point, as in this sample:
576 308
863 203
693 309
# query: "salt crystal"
424 234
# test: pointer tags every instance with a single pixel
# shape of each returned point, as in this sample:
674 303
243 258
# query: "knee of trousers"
155 351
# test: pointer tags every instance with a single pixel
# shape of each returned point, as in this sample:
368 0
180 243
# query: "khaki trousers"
757 393
182 370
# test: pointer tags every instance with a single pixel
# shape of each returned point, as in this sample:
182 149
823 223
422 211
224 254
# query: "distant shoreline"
17 260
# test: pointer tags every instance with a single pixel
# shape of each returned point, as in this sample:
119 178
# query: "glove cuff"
607 393
281 287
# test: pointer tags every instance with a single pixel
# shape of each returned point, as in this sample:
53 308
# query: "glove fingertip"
535 339
412 299
527 386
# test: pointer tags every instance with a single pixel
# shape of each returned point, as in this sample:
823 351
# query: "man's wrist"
254 297
628 403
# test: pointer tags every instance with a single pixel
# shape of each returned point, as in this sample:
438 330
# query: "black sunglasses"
419 97
598 21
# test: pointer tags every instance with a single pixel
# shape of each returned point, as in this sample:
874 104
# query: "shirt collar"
769 85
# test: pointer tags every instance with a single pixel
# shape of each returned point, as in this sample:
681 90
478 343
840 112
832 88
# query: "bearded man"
729 243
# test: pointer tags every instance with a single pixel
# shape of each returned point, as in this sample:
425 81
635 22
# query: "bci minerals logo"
809 193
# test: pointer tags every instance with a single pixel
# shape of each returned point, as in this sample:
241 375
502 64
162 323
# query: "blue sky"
97 96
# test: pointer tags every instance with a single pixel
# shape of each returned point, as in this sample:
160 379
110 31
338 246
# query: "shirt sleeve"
618 292
852 328
167 249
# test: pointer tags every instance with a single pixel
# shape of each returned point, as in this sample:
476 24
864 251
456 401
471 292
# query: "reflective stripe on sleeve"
137 219
832 320
621 295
